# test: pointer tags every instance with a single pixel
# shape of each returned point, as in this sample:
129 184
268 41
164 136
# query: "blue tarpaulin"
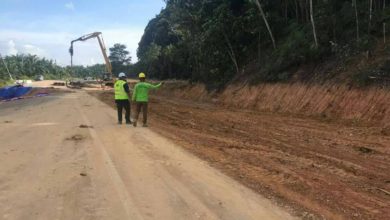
13 92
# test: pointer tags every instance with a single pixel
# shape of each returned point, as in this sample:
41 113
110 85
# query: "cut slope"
329 101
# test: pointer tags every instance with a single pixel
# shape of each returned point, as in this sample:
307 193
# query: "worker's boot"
128 122
119 122
145 125
135 123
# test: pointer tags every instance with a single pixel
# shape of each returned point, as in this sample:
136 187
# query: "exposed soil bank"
369 105
316 169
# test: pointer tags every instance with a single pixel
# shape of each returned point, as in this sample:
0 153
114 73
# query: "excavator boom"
99 37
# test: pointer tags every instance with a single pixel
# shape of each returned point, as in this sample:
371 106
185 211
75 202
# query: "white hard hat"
121 75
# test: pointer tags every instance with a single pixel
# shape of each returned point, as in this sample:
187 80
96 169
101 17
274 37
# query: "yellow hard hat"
141 75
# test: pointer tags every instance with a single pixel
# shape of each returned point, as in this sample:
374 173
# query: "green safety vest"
141 90
120 93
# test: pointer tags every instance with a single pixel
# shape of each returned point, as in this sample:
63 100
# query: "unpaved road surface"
320 169
64 157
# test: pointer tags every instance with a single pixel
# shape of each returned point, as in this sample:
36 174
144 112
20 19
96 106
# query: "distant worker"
141 98
122 96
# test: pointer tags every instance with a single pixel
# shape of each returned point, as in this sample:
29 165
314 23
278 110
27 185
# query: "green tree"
119 58
215 41
26 66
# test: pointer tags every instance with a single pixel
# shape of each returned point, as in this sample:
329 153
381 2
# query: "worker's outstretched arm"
151 86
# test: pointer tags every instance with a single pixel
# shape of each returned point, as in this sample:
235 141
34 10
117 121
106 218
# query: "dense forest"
215 41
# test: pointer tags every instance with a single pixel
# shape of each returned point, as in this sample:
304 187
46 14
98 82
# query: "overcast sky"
46 27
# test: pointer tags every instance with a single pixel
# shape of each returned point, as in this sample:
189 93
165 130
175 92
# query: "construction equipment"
107 78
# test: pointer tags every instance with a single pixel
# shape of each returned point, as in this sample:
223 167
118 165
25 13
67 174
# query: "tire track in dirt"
313 164
114 175
5 207
326 161
82 197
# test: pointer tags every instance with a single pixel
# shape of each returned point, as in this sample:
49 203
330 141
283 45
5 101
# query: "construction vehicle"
107 78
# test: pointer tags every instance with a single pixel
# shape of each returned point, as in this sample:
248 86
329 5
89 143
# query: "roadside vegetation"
265 41
27 66
5 83
23 66
222 41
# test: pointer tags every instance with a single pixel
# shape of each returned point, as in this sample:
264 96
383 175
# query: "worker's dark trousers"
144 107
123 104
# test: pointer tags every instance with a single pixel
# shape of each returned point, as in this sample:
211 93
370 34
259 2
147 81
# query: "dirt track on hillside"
321 170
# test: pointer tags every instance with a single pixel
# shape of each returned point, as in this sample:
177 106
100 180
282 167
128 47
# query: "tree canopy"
119 57
216 40
27 66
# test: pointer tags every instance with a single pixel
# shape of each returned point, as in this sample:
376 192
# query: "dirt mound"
58 84
76 138
85 126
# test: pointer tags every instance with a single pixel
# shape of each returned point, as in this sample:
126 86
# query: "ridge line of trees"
28 66
214 41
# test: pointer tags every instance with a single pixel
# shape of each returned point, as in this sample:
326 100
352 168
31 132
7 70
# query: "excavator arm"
99 37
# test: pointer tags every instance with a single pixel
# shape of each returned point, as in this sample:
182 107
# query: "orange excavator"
107 78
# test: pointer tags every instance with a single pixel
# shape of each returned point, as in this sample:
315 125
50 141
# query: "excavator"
107 78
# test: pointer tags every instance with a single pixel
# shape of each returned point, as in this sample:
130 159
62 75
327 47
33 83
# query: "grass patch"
5 83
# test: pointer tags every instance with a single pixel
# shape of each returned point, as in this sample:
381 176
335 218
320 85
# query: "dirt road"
63 157
320 169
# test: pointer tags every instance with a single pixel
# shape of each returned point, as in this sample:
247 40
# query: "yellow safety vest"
120 93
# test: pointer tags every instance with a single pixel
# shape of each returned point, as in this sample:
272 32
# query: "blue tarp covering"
13 92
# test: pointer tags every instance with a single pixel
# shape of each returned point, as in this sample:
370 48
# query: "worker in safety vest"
141 98
122 96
